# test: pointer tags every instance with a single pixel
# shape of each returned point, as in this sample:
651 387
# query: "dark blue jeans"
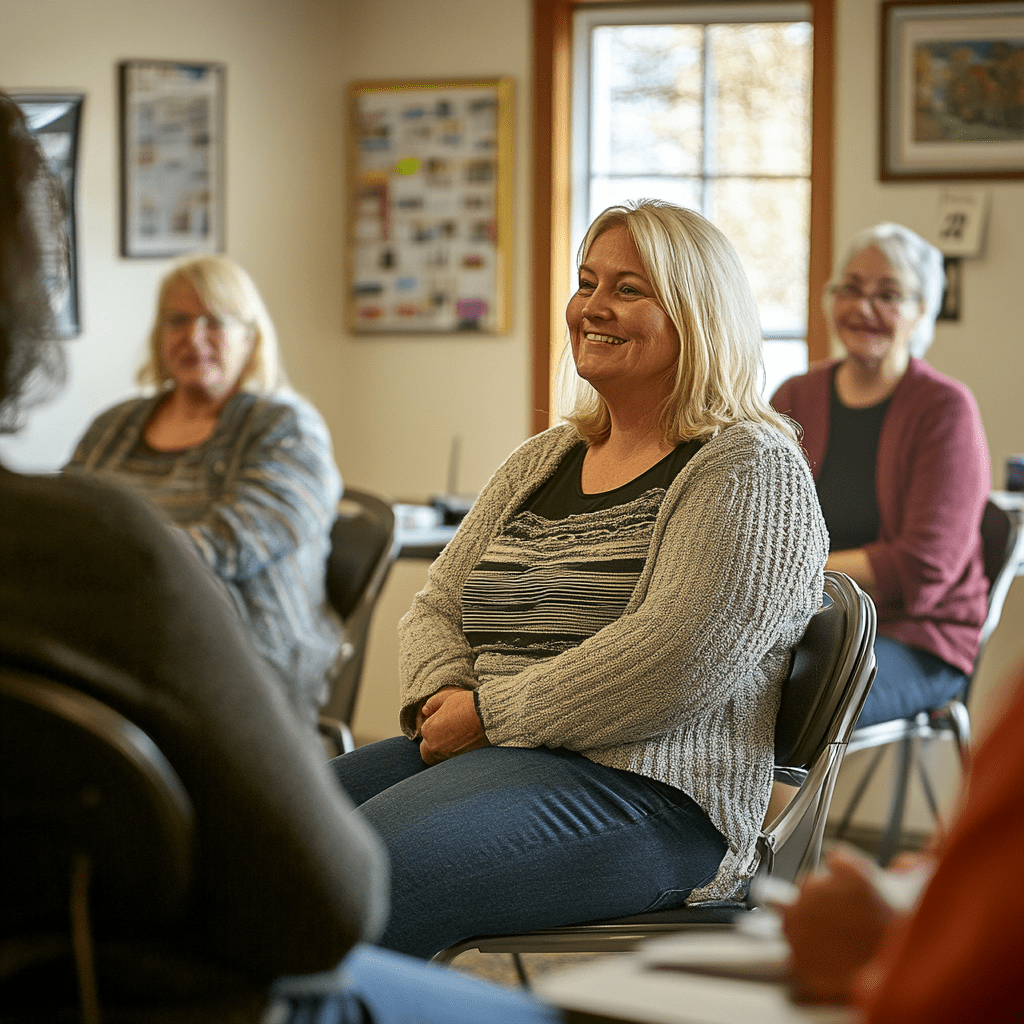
908 681
506 839
373 986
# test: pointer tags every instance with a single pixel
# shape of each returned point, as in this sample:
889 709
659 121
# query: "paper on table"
726 954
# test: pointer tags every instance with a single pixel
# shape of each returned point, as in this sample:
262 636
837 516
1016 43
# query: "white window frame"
586 19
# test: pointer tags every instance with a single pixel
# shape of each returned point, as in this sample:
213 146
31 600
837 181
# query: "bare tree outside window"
715 116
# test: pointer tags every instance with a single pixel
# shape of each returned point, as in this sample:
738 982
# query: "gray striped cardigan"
684 687
256 501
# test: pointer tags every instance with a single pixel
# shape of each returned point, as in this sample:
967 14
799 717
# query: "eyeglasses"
179 322
885 300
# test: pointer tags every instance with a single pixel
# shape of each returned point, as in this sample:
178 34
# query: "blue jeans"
373 985
506 839
908 680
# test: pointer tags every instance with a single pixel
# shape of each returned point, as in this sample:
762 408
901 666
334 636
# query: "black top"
846 482
564 566
562 495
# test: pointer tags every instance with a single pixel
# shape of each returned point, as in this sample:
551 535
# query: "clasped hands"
448 725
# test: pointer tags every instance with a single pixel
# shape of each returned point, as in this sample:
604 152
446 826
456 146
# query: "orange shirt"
960 957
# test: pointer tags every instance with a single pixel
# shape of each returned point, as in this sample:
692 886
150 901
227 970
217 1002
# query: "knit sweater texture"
256 501
685 686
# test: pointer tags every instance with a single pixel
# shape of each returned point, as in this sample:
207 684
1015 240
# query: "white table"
622 989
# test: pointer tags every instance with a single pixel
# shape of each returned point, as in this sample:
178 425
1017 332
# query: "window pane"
646 99
769 224
605 192
759 120
782 360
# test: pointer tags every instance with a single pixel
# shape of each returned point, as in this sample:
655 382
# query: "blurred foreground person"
957 956
97 593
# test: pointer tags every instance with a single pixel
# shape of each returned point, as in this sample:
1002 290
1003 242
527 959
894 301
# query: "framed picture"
172 158
55 120
952 90
429 207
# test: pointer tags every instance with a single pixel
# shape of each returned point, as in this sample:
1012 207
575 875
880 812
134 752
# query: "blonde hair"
226 290
921 268
699 282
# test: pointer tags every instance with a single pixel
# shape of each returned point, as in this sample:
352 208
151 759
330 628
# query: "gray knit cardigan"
256 501
685 686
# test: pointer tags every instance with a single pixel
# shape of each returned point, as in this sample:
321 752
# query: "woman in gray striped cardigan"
591 674
241 465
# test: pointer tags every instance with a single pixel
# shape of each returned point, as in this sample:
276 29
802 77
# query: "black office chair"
96 833
1003 549
833 666
363 550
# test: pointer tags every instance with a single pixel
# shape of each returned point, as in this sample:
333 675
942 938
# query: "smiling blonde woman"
241 465
590 677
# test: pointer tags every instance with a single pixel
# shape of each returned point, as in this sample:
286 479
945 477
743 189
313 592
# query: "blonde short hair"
701 285
227 291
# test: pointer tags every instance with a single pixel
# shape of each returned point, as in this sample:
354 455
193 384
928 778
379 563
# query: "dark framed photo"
55 120
952 90
430 207
172 157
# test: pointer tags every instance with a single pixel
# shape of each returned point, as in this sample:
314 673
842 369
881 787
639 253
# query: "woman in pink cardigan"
901 467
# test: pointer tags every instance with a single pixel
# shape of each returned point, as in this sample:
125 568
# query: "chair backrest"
822 697
362 552
78 780
1002 544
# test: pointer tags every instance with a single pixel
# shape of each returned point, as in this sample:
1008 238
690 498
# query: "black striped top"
564 566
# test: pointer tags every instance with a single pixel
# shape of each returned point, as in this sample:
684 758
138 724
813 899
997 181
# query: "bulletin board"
430 207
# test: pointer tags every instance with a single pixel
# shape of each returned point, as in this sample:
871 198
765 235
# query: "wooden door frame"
552 50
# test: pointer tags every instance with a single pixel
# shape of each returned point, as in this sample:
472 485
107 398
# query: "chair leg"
81 940
858 793
926 784
961 722
891 836
524 979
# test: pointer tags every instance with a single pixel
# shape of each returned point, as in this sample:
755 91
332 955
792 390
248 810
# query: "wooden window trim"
552 48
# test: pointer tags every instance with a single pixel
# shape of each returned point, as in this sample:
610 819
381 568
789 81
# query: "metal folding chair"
363 549
1003 549
833 666
96 831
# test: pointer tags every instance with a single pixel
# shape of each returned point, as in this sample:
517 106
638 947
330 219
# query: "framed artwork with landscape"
952 90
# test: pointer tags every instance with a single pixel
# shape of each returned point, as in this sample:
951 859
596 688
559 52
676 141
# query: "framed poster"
172 158
952 90
430 207
55 120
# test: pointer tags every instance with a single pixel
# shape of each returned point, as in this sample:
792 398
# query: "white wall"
284 159
394 404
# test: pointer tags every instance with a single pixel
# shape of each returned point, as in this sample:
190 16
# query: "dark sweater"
932 481
97 593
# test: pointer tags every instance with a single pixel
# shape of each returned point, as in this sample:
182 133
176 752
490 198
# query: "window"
708 106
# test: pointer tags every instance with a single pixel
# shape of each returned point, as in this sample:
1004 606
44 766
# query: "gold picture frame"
429 211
